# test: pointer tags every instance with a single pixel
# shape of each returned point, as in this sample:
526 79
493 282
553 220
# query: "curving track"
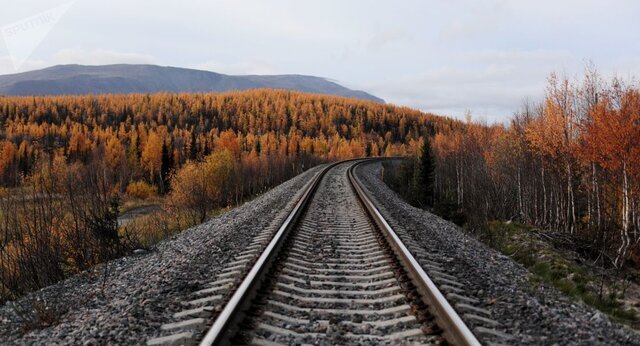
333 273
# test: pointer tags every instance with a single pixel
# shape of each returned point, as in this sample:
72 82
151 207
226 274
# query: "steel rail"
225 325
455 330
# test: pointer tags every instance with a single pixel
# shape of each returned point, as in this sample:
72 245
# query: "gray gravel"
534 316
144 290
338 312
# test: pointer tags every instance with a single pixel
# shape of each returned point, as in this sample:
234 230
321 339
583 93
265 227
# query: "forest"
568 165
556 189
70 164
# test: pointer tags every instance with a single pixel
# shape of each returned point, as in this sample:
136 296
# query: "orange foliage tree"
569 164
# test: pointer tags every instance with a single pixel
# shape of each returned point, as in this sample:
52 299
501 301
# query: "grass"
549 265
130 203
144 231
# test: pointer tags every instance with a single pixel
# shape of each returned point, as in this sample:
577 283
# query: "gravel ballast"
143 291
532 316
336 284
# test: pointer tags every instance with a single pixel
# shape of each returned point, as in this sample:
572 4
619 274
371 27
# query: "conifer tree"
427 165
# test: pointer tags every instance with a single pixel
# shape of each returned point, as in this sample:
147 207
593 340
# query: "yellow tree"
152 154
229 141
114 153
198 187
7 160
79 143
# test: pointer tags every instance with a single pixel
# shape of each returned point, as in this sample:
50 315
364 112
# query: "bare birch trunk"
461 183
544 198
571 210
599 217
624 234
522 219
558 209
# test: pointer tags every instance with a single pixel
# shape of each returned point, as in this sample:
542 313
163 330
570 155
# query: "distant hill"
122 79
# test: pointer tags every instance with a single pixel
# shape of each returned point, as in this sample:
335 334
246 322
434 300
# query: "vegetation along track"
333 273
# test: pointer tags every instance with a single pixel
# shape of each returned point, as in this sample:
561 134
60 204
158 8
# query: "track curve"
333 273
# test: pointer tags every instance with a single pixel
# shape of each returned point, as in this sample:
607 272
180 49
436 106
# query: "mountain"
122 79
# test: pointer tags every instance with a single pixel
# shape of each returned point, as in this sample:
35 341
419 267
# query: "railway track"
333 273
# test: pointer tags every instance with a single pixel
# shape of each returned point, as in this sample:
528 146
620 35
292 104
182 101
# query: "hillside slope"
122 79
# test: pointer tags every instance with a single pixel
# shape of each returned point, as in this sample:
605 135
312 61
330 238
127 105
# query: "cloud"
489 82
282 19
627 67
385 38
7 65
445 56
100 57
516 56
470 20
459 29
24 36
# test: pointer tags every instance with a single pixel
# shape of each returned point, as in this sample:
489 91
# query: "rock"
140 251
597 317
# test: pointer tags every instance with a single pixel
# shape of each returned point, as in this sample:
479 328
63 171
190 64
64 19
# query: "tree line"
66 162
147 136
569 164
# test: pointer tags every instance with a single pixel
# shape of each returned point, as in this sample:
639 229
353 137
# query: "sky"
448 57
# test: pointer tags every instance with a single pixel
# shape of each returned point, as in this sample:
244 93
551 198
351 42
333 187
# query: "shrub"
141 189
199 187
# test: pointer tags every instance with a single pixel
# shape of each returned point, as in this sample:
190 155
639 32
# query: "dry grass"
561 268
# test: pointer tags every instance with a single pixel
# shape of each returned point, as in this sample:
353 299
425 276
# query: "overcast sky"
440 56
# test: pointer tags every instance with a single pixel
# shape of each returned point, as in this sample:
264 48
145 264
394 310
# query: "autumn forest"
569 164
69 164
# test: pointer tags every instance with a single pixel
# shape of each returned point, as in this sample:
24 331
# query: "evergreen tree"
166 165
193 147
427 165
258 147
